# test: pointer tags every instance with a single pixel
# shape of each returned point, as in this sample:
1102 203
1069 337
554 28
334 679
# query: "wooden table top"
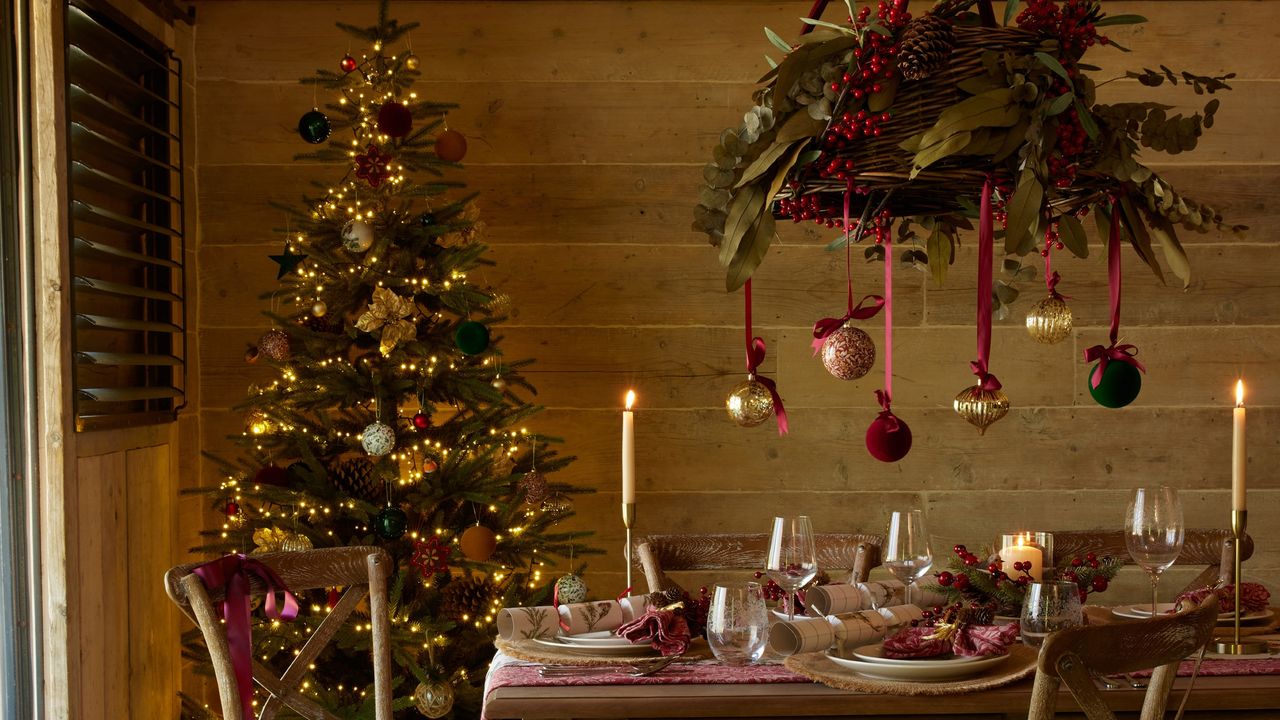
636 702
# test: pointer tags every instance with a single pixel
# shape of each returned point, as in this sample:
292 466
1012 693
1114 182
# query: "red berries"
961 582
945 578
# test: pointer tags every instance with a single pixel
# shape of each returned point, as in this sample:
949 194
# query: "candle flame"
631 398
1240 393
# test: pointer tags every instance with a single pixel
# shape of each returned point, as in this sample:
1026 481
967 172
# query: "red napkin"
1253 597
915 642
665 630
970 640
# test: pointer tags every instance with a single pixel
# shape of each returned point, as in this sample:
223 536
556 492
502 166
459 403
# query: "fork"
638 669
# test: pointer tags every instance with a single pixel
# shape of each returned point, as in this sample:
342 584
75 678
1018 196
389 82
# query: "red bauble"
421 421
271 475
394 119
1099 583
232 507
334 597
888 438
451 146
348 64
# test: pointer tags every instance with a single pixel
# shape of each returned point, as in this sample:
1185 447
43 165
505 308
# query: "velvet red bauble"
885 442
347 64
451 146
395 119
271 475
421 421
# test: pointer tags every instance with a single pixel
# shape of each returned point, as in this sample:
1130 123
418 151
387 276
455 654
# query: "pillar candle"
1022 552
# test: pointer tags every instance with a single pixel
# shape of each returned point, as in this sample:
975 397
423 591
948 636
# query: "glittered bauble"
271 475
888 438
558 504
981 407
472 337
848 353
421 421
433 699
1049 321
357 236
570 589
451 146
500 304
314 127
378 439
319 308
390 523
749 404
1121 383
347 64
257 423
395 119
478 543
237 520
534 486
295 542
274 344
354 477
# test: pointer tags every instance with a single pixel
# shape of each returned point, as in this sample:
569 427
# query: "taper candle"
1238 454
629 450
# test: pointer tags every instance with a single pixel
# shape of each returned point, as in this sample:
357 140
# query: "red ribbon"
885 396
863 311
815 12
986 258
755 356
231 573
1121 353
1051 276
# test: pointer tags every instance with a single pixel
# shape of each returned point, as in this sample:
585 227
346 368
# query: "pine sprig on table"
969 580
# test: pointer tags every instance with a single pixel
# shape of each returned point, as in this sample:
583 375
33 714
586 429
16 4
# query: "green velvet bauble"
390 523
314 127
1120 384
472 337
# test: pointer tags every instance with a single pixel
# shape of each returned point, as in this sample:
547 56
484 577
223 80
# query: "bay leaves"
782 173
990 109
1012 141
1071 232
938 151
1023 211
912 144
761 164
1086 120
979 84
1118 20
777 40
1163 232
1139 238
1059 104
938 247
743 213
808 156
751 252
798 126
985 141
883 100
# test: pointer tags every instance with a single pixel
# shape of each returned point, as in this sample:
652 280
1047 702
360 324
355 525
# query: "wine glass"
737 623
906 550
1047 608
793 556
1154 532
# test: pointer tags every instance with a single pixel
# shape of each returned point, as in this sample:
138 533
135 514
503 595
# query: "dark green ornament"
472 337
1120 384
390 523
428 219
314 127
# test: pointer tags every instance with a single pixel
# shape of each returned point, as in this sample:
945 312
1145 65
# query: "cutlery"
637 669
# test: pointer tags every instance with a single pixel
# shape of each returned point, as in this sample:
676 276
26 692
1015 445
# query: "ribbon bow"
1122 353
1114 351
886 414
231 573
986 380
755 356
1051 282
866 309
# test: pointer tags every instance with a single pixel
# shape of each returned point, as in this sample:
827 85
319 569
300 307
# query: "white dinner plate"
627 650
874 653
600 638
1142 611
920 671
1230 617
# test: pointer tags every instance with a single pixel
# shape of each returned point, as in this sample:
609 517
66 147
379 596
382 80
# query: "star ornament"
388 311
289 262
373 166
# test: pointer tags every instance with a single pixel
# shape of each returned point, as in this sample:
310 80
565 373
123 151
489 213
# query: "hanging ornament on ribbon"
1049 321
1116 379
395 119
888 437
314 127
848 353
984 403
752 401
533 484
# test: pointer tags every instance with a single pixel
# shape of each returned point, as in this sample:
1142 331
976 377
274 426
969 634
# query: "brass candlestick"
1238 520
628 520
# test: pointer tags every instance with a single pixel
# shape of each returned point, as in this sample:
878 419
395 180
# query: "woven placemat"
534 652
1020 664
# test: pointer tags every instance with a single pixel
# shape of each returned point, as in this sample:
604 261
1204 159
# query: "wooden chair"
659 553
1211 548
1074 656
362 570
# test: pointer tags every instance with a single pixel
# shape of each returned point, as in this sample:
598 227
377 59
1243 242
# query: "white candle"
1238 454
1021 552
629 451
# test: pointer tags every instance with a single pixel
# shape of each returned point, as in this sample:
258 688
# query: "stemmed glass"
1154 533
906 550
793 556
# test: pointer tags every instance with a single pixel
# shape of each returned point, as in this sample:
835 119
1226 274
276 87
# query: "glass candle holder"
1027 546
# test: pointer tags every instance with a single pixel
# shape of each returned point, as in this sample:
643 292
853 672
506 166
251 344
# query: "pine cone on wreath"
926 45
355 477
466 596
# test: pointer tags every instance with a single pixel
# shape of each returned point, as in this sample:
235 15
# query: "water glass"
1047 608
737 623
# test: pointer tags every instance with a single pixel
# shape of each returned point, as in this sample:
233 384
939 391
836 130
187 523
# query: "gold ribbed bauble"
750 403
295 542
981 407
433 699
1049 321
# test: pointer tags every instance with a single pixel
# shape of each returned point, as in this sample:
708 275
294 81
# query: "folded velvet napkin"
969 640
665 630
1253 597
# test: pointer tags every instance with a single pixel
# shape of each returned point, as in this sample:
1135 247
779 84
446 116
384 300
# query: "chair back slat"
326 567
1139 645
748 550
1202 546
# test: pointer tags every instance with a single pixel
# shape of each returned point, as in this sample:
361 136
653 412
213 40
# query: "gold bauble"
411 63
1049 321
478 543
319 308
295 542
750 403
981 407
433 699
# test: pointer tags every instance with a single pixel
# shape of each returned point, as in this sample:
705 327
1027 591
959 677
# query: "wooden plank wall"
589 123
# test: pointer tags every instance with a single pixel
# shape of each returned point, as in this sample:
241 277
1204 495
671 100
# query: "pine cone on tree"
467 596
355 477
926 45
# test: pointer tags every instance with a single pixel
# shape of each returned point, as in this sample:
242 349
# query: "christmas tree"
393 418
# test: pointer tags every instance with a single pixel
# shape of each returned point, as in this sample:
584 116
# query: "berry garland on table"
991 587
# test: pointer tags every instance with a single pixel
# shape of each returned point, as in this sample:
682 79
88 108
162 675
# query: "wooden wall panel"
590 123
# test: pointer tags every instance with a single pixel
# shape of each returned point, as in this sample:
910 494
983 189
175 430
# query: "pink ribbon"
986 257
755 356
864 311
231 574
885 396
886 413
1121 353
